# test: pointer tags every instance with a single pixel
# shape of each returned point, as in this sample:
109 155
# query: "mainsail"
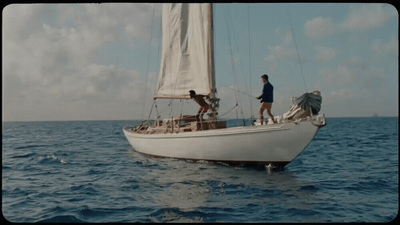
186 51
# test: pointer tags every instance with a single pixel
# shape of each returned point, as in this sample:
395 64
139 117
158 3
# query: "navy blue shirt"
268 93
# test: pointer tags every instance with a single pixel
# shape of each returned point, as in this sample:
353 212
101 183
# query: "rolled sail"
186 50
309 100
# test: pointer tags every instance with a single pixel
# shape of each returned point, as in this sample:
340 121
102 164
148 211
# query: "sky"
101 61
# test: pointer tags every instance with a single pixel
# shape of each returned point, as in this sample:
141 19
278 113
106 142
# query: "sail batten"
185 59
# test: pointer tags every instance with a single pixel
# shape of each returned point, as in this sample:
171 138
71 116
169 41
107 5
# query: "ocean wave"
61 219
23 155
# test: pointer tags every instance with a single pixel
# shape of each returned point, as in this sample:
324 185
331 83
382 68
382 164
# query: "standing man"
267 98
203 104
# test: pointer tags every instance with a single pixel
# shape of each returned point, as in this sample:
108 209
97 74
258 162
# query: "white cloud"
324 53
367 16
50 60
278 54
285 35
361 17
282 52
354 73
319 27
389 48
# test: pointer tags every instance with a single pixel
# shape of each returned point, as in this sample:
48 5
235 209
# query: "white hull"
276 144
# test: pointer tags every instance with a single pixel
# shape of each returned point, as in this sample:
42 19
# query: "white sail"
185 59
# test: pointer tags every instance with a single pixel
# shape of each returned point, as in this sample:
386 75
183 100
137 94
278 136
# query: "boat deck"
178 126
189 124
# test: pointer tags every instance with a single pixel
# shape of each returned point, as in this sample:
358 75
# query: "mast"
211 50
213 90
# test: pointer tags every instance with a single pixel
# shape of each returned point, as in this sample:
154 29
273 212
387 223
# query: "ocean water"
86 171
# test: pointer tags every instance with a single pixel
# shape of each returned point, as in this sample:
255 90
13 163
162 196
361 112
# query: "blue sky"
101 61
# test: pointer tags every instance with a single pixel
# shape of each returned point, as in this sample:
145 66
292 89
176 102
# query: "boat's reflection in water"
185 191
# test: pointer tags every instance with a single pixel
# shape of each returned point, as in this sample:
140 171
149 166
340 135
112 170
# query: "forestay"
187 46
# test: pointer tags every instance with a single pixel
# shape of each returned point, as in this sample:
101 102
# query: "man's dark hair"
265 76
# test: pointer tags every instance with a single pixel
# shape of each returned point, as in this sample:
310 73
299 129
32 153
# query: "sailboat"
187 64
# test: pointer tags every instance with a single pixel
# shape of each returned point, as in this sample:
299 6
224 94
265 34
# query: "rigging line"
297 51
229 18
148 64
239 91
151 110
229 110
181 112
240 61
240 66
230 48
